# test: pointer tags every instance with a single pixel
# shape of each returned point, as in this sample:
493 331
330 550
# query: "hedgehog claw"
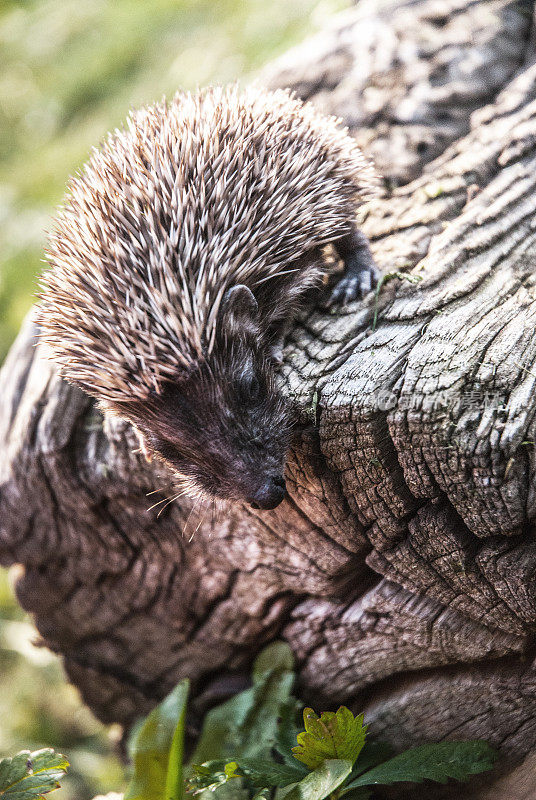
361 275
354 286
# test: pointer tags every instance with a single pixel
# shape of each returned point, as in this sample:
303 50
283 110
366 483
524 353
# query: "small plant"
251 748
28 776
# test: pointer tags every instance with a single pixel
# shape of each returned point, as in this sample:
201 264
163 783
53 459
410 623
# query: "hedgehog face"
225 430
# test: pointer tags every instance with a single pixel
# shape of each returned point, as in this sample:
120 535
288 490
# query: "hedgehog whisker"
158 503
213 510
194 508
218 509
156 491
169 501
201 521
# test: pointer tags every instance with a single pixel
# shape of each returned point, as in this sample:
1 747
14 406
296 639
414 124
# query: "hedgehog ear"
239 305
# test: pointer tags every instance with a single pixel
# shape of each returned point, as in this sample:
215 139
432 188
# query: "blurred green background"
69 71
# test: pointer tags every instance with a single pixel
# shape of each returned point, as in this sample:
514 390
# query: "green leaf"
262 794
267 773
337 735
31 775
276 657
372 754
221 728
174 776
246 725
204 776
156 749
211 775
233 790
262 773
287 733
321 782
434 762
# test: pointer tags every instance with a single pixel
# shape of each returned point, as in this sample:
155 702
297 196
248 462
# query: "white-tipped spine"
190 198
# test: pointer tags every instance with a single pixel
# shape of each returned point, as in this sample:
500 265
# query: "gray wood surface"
401 568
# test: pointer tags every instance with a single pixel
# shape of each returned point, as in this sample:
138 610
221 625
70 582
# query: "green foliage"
156 748
332 735
38 708
28 776
331 760
247 749
266 772
287 731
433 762
212 775
260 772
321 782
246 725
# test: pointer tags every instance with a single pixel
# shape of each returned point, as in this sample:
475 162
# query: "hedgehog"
183 250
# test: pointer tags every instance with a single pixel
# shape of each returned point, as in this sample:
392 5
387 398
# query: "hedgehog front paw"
356 284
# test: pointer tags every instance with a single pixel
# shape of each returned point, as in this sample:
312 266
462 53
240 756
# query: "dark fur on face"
225 429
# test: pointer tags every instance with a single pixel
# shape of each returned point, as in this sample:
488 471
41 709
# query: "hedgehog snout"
269 494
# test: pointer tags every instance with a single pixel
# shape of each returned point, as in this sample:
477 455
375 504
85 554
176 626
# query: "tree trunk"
401 567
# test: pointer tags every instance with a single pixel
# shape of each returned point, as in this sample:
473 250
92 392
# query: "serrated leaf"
434 762
266 773
211 775
335 734
204 776
262 773
156 749
321 782
246 725
28 775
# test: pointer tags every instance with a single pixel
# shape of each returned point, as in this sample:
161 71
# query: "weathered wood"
401 567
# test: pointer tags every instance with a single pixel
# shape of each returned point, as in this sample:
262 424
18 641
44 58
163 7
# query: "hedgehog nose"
270 494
